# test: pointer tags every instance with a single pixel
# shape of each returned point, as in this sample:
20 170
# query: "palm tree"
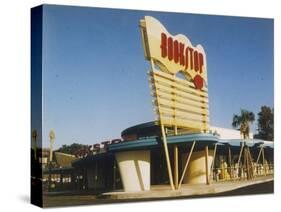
243 120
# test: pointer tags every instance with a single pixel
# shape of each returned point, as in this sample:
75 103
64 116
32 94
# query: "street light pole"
34 142
52 137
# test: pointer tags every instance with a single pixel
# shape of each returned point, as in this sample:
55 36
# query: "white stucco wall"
134 169
226 133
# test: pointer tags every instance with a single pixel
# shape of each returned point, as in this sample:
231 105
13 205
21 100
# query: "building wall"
226 133
196 171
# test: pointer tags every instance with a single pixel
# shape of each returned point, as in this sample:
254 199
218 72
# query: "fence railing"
241 172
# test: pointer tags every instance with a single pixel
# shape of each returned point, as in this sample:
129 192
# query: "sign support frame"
164 139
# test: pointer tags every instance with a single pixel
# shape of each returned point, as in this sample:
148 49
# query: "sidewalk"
164 191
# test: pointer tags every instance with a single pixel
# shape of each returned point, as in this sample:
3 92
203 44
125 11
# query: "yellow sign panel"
180 102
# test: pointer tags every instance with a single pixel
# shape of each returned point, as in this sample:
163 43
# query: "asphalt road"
74 200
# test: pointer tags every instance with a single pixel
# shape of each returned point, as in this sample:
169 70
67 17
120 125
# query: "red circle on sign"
198 82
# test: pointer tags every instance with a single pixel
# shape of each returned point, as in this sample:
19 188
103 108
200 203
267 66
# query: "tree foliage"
72 148
266 124
242 122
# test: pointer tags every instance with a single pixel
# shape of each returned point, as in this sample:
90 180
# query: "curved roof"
142 130
248 142
153 142
149 137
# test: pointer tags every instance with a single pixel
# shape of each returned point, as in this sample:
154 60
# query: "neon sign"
179 102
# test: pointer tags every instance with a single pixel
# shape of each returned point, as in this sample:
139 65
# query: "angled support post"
259 155
258 159
164 139
207 164
213 162
240 154
176 162
251 163
176 166
239 159
263 162
187 162
230 162
246 158
167 157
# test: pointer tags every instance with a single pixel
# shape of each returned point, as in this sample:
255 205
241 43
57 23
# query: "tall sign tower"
178 80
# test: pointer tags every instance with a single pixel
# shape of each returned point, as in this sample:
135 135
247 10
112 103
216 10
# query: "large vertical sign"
179 101
178 78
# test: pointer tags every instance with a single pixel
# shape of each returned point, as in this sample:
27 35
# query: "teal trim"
202 137
154 142
134 145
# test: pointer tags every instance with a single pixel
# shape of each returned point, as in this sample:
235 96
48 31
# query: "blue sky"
95 81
